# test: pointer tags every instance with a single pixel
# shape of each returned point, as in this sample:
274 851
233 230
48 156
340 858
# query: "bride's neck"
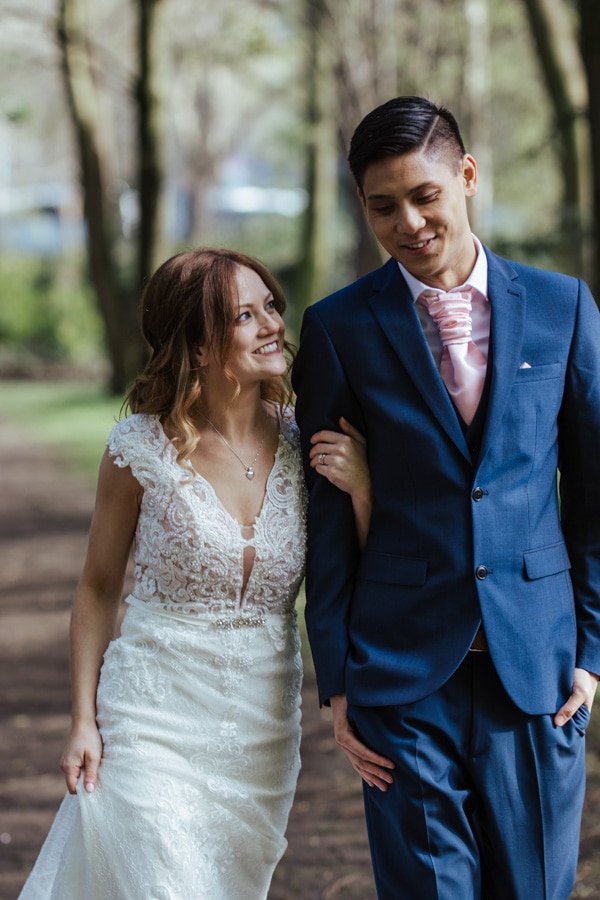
236 419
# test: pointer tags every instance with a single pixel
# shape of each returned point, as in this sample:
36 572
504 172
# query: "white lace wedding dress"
199 697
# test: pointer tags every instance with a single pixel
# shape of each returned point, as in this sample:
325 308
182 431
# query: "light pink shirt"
480 312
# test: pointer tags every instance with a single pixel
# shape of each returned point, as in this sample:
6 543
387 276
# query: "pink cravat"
463 365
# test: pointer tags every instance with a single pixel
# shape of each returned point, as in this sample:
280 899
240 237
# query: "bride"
183 757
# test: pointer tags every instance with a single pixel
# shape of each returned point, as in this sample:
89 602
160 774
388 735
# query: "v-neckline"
210 487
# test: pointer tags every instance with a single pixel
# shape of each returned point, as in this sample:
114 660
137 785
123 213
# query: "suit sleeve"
323 395
579 463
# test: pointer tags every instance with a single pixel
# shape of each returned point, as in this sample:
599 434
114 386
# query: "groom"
460 651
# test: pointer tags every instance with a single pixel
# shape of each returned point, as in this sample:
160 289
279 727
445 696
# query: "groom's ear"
469 175
361 196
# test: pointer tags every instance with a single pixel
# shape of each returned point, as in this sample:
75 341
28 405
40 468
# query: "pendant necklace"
249 469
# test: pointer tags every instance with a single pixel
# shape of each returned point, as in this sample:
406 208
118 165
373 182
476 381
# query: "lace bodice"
189 550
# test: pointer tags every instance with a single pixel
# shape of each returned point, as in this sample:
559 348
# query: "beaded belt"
239 622
203 620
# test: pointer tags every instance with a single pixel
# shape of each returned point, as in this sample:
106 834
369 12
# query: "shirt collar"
477 279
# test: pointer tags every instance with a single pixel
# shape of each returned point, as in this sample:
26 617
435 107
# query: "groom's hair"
400 126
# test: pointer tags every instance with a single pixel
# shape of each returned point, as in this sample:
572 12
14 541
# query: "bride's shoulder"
136 427
134 437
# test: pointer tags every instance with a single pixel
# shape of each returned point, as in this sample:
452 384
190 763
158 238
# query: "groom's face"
416 206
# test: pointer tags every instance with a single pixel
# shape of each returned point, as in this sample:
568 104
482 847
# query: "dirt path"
44 516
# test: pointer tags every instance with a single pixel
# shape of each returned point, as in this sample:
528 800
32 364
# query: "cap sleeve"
138 442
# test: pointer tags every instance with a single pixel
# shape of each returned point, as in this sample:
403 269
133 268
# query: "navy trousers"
486 801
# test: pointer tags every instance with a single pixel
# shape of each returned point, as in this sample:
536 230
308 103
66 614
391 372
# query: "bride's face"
257 346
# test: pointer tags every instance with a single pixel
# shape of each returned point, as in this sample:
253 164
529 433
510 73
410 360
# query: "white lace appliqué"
189 549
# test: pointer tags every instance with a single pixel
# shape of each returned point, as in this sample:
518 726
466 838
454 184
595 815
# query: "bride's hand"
82 754
373 768
342 459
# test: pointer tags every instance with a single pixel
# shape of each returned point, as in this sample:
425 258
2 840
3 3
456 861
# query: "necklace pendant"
249 473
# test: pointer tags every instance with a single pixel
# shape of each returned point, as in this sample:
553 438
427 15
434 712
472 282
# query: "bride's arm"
94 614
342 459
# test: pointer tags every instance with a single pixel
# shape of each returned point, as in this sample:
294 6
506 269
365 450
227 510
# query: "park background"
132 130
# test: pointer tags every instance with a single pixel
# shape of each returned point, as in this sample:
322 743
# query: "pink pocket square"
525 365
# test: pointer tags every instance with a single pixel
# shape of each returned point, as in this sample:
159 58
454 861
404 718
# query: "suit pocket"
546 561
387 568
539 373
581 719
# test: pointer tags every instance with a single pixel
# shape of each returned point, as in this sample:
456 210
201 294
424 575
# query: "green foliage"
232 82
18 114
47 310
74 418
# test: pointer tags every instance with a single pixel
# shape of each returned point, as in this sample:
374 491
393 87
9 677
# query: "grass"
73 418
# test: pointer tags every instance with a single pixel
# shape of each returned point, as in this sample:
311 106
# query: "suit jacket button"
481 572
477 493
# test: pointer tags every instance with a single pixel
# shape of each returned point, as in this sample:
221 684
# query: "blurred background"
131 130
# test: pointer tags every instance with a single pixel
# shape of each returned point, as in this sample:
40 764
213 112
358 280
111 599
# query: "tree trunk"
479 110
87 121
149 172
590 48
117 296
317 239
560 61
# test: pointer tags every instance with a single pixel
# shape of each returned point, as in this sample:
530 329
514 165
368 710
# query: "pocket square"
524 365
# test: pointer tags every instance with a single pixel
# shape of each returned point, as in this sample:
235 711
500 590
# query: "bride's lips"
266 349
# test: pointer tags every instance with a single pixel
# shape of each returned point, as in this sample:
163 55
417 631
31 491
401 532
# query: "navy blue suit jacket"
454 541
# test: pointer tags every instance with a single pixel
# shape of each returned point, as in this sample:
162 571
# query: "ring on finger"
322 459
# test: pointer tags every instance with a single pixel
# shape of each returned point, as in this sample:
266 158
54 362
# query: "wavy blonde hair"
192 300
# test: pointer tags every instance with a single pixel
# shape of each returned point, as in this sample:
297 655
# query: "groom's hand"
583 692
372 768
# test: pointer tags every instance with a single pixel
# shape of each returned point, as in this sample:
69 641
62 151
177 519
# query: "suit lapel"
508 298
392 305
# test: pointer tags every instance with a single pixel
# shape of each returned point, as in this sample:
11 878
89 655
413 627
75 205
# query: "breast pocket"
530 374
531 414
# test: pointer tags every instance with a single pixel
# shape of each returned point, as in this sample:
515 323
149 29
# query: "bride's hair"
191 301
